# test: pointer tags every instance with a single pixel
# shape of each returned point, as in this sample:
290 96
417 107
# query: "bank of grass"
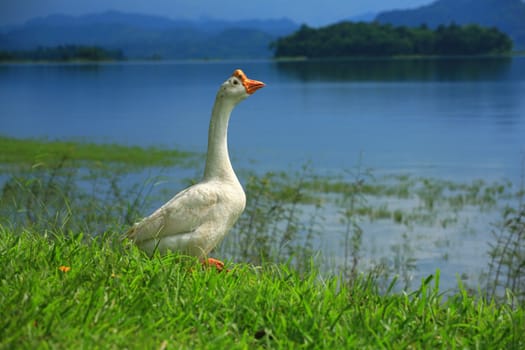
72 291
42 151
93 291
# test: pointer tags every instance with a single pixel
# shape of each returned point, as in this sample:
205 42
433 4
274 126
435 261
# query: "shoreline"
267 59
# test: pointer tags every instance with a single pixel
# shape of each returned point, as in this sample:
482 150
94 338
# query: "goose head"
238 87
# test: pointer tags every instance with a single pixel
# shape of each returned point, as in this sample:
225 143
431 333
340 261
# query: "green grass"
41 151
112 296
115 297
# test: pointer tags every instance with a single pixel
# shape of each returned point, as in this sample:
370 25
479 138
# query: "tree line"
63 53
348 39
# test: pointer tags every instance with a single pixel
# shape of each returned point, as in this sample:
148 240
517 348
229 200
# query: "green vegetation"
40 151
69 281
63 53
347 39
507 264
506 15
70 291
77 186
94 188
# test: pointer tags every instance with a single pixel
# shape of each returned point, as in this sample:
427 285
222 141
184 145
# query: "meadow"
68 280
72 291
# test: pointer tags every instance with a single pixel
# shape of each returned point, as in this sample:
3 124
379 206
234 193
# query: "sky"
312 12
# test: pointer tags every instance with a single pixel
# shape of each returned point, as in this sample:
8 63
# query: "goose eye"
235 82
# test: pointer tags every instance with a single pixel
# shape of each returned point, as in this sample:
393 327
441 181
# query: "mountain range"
507 15
146 36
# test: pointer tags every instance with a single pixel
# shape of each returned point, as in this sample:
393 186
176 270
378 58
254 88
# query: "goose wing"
184 213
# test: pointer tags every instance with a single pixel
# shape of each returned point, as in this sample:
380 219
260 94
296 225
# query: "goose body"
196 219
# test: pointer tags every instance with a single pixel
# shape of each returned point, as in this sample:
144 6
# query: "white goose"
197 219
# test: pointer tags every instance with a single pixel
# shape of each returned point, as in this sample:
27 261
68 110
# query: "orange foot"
219 265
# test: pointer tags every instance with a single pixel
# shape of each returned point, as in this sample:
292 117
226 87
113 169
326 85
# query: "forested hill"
348 39
506 15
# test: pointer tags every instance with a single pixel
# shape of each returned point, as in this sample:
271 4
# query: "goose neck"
218 165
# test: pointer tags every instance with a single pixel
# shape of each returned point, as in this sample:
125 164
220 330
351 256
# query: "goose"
196 219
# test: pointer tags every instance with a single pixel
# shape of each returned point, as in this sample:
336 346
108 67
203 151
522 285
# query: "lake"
457 119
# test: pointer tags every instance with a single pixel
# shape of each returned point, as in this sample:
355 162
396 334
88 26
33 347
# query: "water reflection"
453 69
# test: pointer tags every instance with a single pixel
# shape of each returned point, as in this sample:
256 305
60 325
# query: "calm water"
460 119
457 119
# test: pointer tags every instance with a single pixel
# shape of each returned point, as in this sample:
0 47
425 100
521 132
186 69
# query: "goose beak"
249 84
252 85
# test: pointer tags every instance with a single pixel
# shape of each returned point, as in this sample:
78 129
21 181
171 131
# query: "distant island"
348 39
506 15
62 53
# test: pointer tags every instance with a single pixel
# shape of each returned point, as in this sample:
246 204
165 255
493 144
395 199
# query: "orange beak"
249 84
252 85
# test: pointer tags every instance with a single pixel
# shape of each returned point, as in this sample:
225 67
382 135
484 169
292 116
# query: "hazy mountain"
363 17
506 15
150 36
